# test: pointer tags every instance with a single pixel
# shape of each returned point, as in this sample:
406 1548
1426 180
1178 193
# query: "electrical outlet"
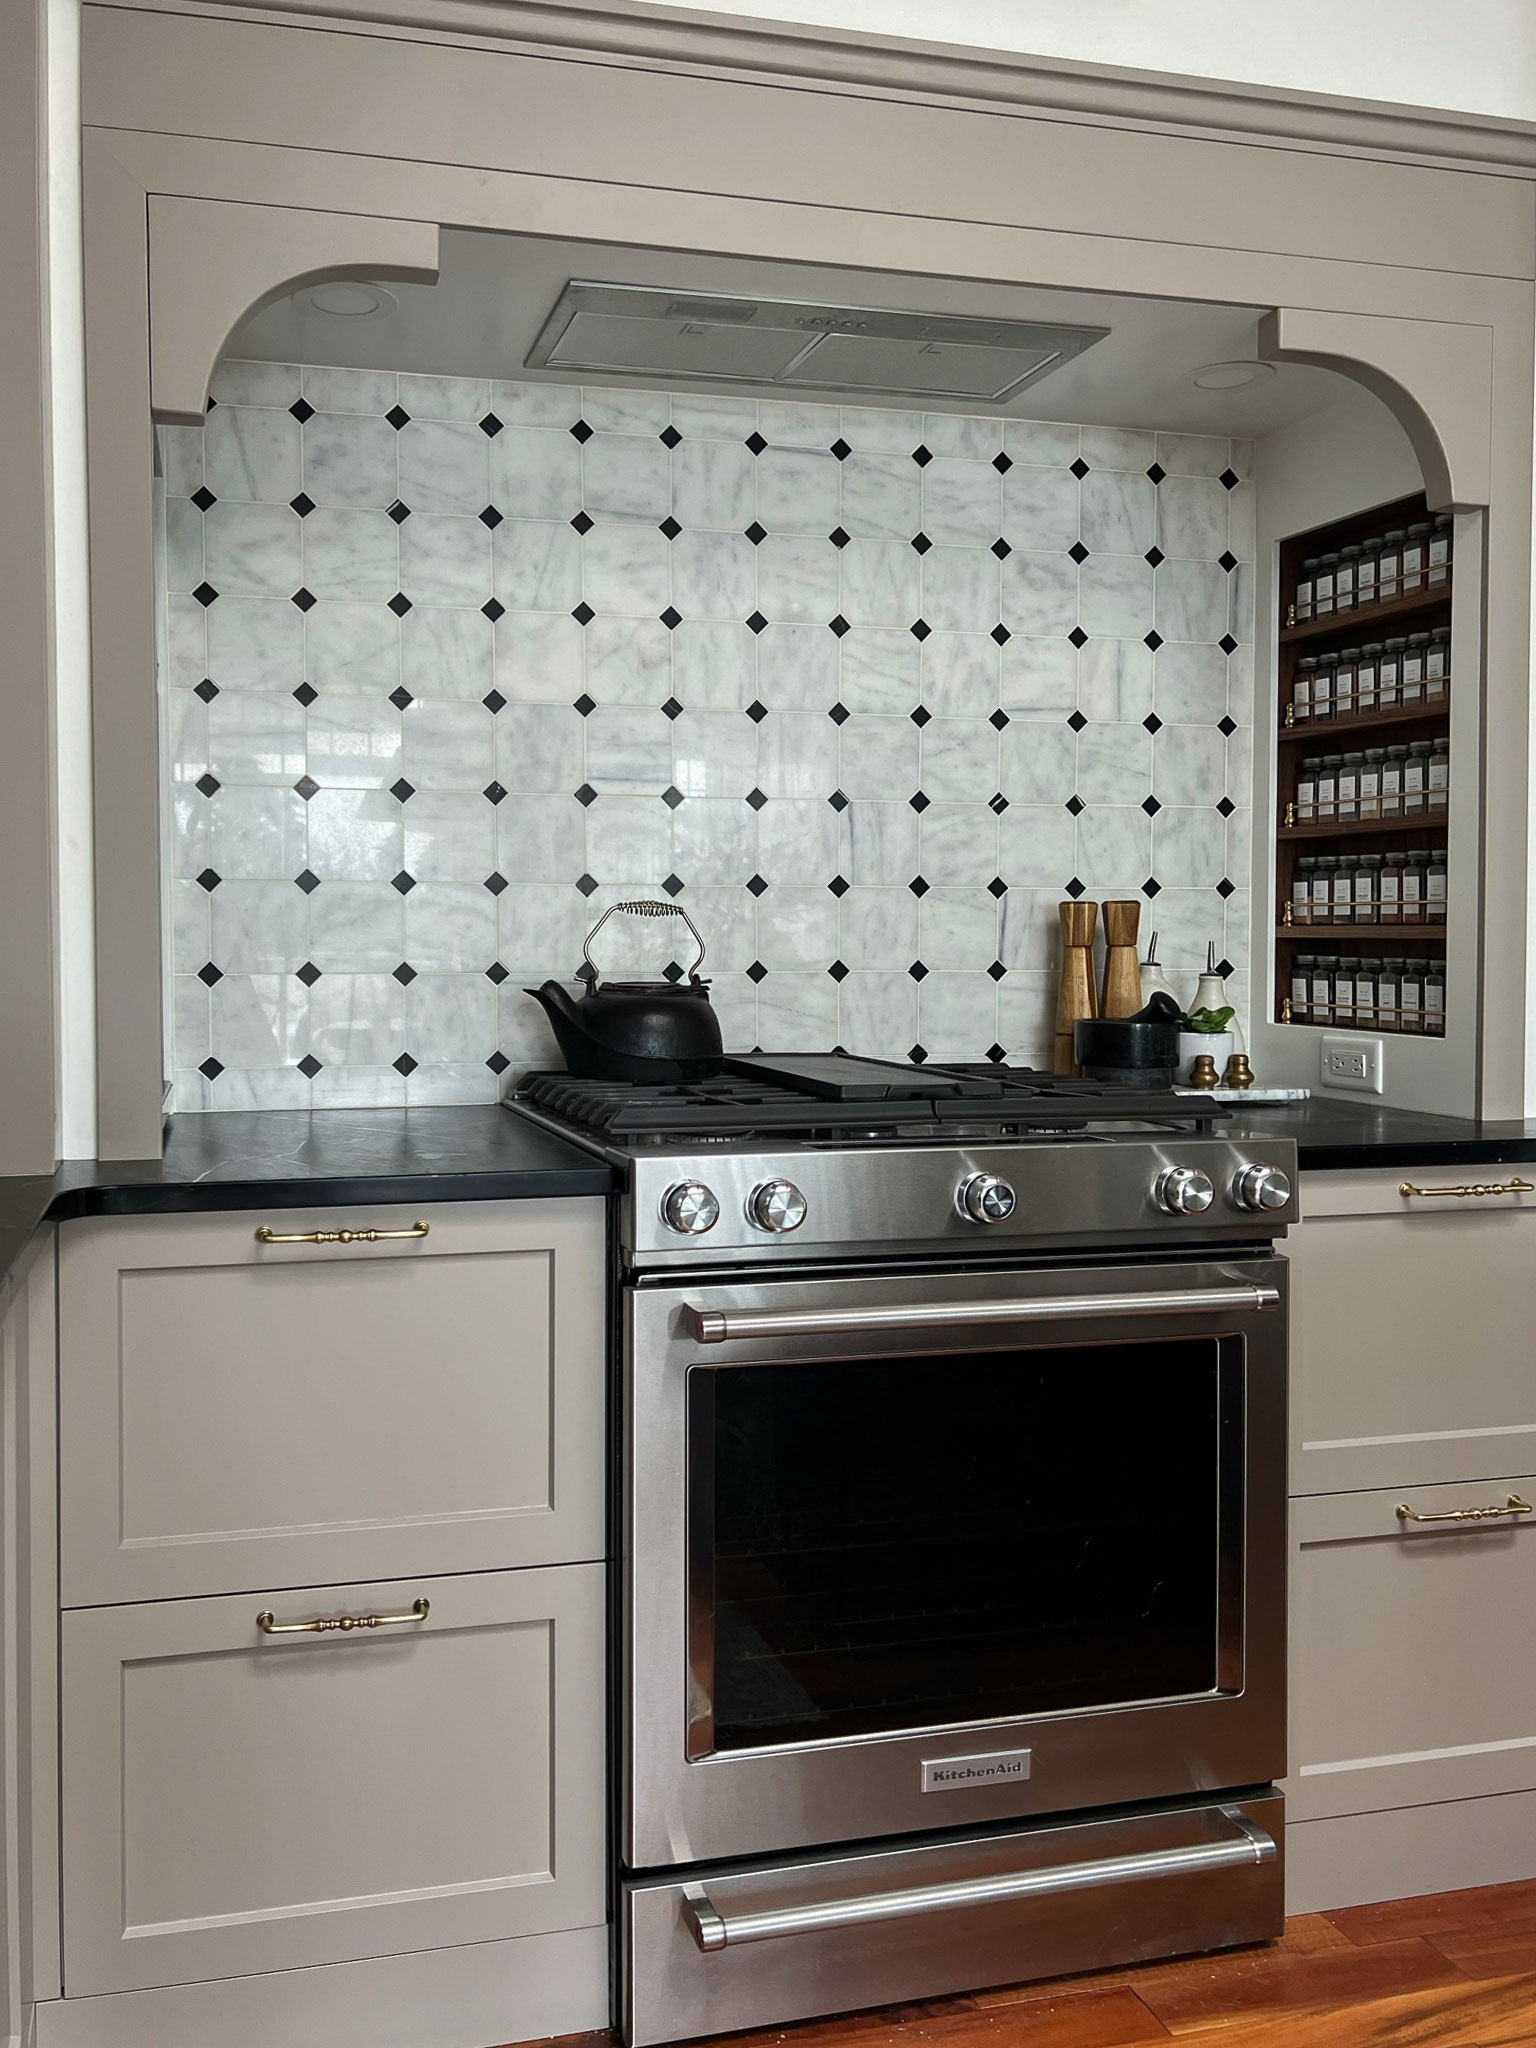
1352 1062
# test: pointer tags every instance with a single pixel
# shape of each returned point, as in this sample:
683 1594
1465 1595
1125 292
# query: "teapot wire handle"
639 907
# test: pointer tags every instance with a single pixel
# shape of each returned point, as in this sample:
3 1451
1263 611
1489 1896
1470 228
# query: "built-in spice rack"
1364 772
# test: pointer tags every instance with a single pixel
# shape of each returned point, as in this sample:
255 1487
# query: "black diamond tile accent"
918 802
1152 722
1226 726
585 884
304 599
1227 560
756 443
580 431
755 799
1078 637
997 970
757 534
671 618
669 436
498 1062
582 522
306 787
997 886
997 803
309 973
1002 462
839 714
673 885
838 971
1076 806
496 973
1156 557
302 410
918 971
1151 806
1154 640
211 1068
205 594
400 604
495 883
917 1054
494 609
918 886
208 689
1076 720
671 972
1075 888
1079 468
210 405
208 974
837 885
757 622
997 1054
1157 472
490 426
841 449
757 971
405 974
404 882
399 512
839 625
757 712
920 629
401 698
309 1066
494 701
1227 644
302 504
1001 634
1226 806
1151 886
404 1065
921 456
672 797
583 613
839 538
307 880
669 527
205 501
207 785
1001 549
1225 888
671 709
999 721
921 543
921 715
1078 552
586 795
585 705
1224 967
756 885
838 801
490 517
306 693
398 417
1229 479
209 879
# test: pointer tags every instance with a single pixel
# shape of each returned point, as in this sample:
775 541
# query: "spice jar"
1344 705
1349 788
1306 790
1440 544
1301 889
1365 995
1414 879
1410 995
1323 581
1415 557
1416 778
1392 782
1328 788
1436 876
1302 688
1389 675
1323 685
1301 987
1322 889
1390 889
1388 983
1305 588
1370 784
1438 791
1389 566
1344 578
1368 868
1367 669
1365 573
1434 998
1321 994
1344 890
1437 666
1413 668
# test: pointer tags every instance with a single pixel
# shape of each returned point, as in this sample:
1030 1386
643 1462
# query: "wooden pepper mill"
1077 996
1122 970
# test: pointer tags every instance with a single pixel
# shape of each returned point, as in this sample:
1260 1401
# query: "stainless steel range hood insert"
634 330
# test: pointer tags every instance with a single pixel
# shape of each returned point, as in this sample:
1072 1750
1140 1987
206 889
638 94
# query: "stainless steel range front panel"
687 1799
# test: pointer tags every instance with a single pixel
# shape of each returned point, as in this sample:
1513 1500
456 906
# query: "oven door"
905 1553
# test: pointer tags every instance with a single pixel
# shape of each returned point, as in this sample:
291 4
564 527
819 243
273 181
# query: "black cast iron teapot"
635 1030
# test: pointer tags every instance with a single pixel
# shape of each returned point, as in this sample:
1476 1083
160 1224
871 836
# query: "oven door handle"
713 1929
722 1326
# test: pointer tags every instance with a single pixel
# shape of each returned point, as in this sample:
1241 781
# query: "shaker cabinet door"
236 1801
239 1412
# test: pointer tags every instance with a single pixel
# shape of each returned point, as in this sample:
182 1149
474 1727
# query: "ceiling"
495 292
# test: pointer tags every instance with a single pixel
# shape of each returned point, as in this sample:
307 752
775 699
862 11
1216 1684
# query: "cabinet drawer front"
239 1413
1411 1326
1413 1648
236 1801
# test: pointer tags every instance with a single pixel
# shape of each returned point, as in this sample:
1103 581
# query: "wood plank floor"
1454 1970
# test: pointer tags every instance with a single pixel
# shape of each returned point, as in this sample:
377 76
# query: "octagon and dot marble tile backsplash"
451 666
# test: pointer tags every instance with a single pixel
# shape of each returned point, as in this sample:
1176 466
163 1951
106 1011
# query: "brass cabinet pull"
1514 1505
266 1235
344 1623
1498 1187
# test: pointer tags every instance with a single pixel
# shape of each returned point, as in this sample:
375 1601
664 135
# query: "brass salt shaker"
1239 1073
1203 1073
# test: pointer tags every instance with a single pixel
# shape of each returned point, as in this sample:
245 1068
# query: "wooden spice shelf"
1317 729
1362 931
1371 829
1344 623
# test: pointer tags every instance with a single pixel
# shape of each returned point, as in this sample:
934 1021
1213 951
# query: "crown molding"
809 57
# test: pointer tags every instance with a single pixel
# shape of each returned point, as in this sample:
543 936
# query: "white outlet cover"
1352 1062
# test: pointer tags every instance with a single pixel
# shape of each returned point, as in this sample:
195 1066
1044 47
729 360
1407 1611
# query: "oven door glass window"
899 1543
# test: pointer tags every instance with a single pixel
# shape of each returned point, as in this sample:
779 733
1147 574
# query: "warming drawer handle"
713 1929
265 1234
721 1326
1476 1189
269 1625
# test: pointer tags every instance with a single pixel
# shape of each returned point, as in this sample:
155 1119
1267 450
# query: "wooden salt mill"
1122 971
1076 996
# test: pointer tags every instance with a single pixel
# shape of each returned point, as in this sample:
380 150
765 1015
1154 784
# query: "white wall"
1478 57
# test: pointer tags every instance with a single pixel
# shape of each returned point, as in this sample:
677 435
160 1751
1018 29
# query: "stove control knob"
1261 1187
776 1205
689 1208
985 1199
1183 1191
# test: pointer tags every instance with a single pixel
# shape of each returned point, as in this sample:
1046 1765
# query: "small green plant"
1208 1020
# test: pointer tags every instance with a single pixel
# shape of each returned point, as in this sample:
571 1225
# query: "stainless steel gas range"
952 1468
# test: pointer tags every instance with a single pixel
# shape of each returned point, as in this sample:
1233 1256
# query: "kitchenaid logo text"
962 1773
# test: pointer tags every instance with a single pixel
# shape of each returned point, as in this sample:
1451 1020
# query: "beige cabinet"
236 1412
238 1801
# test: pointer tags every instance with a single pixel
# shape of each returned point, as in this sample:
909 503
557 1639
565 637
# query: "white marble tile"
1240 455
957 844
255 738
881 670
449 836
1189 765
877 1014
1026 1006
959 760
186 641
541 838
714 840
536 565
181 459
1041 508
536 473
450 1017
448 745
1028 929
788 424
626 476
706 416
1240 604
1119 512
186 737
1191 683
714 753
257 927
445 398
183 545
627 569
957 1015
797 668
450 927
1038 679
351 461
539 657
1240 685
612 411
1037 845
259 1020
1191 517
797 754
1114 764
257 835
960 674
795 1011
961 590
255 643
1192 454
252 548
629 750
1240 522
628 661
728 918
877 929
796 928
259 1088
541 926
1039 594
447 652
437 1084
191 826
881 583
351 646
1114 681
958 928
966 435
1118 448
882 496
629 840
235 382
354 740
1042 444
536 405
190 1032
540 748
881 429
714 575
799 490
714 484
799 839
356 1085
350 554
714 664
445 560
1191 601
1240 765
251 452
354 835
882 842
524 1033
1114 596
962 503
330 390
1189 847
189 924
445 466
877 757
1114 849
798 579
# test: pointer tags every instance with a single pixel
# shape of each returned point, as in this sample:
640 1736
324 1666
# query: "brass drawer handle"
345 1623
266 1235
1498 1187
1513 1506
